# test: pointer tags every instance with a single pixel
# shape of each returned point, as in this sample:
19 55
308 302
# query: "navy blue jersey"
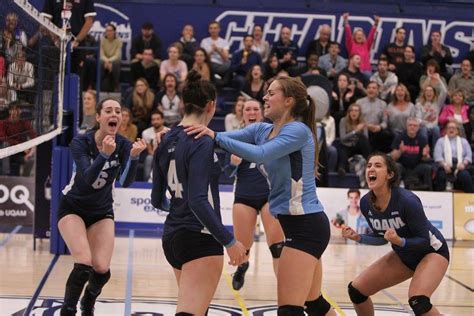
250 182
189 170
94 174
405 214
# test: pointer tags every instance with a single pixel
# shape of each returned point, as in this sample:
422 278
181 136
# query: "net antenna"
32 21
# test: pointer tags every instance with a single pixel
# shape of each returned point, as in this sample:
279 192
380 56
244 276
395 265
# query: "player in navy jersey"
193 236
420 252
287 154
251 198
85 214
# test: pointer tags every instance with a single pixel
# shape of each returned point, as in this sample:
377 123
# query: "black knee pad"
290 310
183 314
276 249
420 304
75 283
356 296
318 307
99 279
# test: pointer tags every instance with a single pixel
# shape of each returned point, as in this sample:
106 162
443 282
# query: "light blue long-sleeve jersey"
287 160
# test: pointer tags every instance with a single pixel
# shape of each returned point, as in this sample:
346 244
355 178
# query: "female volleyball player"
420 252
193 234
85 215
251 198
287 152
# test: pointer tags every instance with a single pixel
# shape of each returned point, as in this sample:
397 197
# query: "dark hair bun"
193 77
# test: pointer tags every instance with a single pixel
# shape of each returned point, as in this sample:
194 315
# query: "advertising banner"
17 196
463 216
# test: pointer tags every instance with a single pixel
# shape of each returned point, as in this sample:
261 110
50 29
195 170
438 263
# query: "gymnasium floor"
143 284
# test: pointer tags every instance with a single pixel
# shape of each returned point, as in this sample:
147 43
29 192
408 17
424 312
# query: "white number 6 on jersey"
173 182
101 180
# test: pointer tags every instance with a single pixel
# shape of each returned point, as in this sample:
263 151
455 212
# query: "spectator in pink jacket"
358 44
457 111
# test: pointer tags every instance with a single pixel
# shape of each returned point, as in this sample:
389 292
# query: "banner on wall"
17 197
133 205
464 216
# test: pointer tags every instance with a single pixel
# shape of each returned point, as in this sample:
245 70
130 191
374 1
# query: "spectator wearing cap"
147 39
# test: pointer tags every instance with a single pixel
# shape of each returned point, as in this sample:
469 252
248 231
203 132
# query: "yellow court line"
334 304
237 296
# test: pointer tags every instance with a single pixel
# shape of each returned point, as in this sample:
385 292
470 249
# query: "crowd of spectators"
406 105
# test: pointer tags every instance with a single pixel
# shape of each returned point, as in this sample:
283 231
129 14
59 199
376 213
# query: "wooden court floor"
142 283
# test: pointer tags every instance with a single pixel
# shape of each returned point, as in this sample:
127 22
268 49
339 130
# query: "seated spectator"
149 135
12 38
286 50
353 137
146 40
400 109
189 44
437 52
260 45
409 72
146 68
433 78
217 49
21 77
329 125
386 80
469 129
332 62
140 102
311 68
89 101
354 73
464 80
7 96
254 84
110 59
321 45
242 61
272 67
453 154
233 121
13 131
394 52
344 93
202 64
411 152
374 112
127 129
428 106
456 111
358 44
173 65
169 101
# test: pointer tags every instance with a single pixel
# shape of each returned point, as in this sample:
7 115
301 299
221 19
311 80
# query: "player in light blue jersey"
287 154
420 252
85 214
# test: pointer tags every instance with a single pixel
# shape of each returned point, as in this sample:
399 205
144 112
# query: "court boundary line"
467 287
333 304
43 280
236 294
10 235
128 286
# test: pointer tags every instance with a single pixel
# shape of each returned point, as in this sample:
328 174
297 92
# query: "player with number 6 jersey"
85 214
